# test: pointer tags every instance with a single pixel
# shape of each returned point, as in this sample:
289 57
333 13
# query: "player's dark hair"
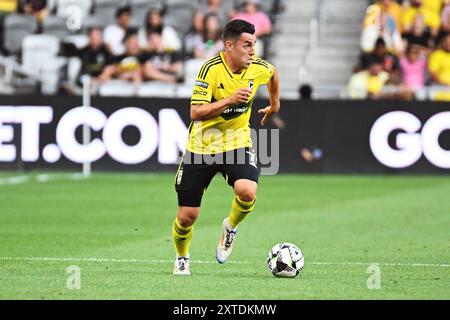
235 28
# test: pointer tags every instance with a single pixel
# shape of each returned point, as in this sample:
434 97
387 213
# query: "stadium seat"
345 10
139 9
191 68
96 20
73 69
183 91
79 40
16 28
179 16
438 93
182 2
39 57
106 9
117 88
63 7
137 19
55 25
156 89
139 4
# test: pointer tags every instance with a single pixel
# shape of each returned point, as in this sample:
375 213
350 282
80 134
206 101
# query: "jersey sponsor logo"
200 92
201 84
250 84
236 110
221 86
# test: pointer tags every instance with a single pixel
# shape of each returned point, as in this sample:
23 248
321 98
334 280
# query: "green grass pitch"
116 228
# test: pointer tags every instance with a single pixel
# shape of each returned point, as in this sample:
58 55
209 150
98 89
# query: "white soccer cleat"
181 266
226 242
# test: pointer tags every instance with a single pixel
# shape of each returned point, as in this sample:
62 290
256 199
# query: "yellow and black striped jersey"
231 129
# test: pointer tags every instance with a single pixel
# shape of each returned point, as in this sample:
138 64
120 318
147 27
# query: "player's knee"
245 190
247 194
187 216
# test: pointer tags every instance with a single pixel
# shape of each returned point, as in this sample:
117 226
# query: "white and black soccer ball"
285 260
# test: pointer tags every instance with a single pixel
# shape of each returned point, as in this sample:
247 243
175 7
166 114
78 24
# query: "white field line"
14 180
39 178
147 261
52 177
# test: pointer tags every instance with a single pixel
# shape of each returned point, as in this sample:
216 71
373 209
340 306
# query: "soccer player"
219 137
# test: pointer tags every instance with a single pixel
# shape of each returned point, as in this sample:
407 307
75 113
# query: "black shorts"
196 172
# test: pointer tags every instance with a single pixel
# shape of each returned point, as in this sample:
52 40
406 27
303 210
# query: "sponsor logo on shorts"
179 177
252 158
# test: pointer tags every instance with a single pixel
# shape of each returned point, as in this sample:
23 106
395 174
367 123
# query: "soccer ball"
285 260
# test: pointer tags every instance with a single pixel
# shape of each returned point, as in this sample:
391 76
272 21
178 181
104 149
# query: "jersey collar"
230 73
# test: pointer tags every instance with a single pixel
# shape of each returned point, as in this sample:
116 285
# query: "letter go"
411 144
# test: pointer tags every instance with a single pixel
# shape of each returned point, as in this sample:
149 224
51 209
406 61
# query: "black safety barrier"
147 134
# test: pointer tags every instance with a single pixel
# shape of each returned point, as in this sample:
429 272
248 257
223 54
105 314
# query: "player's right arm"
207 111
203 106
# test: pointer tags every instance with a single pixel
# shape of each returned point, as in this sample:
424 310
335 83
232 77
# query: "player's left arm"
274 96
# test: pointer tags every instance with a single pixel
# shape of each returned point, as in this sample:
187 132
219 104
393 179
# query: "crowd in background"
153 50
405 46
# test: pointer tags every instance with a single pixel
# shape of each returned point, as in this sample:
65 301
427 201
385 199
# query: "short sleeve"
203 85
266 68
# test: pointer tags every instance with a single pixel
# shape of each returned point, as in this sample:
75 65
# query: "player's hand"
241 96
268 111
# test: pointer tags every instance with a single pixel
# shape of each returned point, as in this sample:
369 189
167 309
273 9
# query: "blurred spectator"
154 22
305 92
209 43
128 66
223 9
374 83
253 14
37 8
96 60
160 64
445 18
8 6
439 63
263 26
431 18
413 67
368 83
434 6
386 28
389 61
393 9
114 34
445 22
419 34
